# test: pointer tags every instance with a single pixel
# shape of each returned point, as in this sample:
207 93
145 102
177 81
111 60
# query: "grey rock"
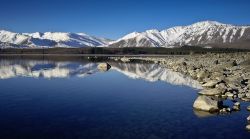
248 108
223 111
210 92
248 118
248 95
236 108
228 94
206 103
248 127
211 83
241 95
237 104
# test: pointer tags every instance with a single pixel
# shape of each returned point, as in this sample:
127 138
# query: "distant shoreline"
91 55
127 51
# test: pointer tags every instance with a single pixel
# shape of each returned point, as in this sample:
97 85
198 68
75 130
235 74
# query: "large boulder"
206 103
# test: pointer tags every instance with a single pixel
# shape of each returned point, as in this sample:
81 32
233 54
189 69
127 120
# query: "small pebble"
248 108
248 127
237 104
236 108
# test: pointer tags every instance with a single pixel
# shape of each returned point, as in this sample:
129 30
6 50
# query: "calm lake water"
73 99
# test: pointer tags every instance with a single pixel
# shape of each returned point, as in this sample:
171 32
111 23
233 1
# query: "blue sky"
115 18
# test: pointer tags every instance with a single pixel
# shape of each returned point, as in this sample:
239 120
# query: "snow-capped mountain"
199 34
49 39
206 34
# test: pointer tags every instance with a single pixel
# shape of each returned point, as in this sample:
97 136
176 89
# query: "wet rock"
236 108
206 103
210 92
248 108
225 110
248 127
229 109
223 96
237 104
228 94
211 83
248 118
246 99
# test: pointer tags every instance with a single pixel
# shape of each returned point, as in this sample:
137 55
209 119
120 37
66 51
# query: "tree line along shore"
185 50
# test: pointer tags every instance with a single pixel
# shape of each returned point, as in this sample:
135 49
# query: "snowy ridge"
206 34
50 39
201 33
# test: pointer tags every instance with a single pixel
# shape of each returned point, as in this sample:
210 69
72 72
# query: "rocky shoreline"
222 76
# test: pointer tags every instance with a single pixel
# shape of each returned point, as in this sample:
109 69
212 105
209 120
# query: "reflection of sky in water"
105 105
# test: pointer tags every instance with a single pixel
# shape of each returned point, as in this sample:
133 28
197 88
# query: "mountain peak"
198 34
208 23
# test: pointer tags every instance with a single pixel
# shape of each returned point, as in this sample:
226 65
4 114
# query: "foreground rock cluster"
222 76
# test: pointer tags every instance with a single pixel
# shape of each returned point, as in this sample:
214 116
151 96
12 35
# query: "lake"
57 98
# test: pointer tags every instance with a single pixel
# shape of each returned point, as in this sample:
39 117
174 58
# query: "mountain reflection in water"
42 98
64 69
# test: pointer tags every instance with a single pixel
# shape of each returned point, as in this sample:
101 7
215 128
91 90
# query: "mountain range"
205 34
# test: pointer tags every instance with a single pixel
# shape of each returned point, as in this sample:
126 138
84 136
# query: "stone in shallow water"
206 103
236 108
248 127
248 118
237 104
248 108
